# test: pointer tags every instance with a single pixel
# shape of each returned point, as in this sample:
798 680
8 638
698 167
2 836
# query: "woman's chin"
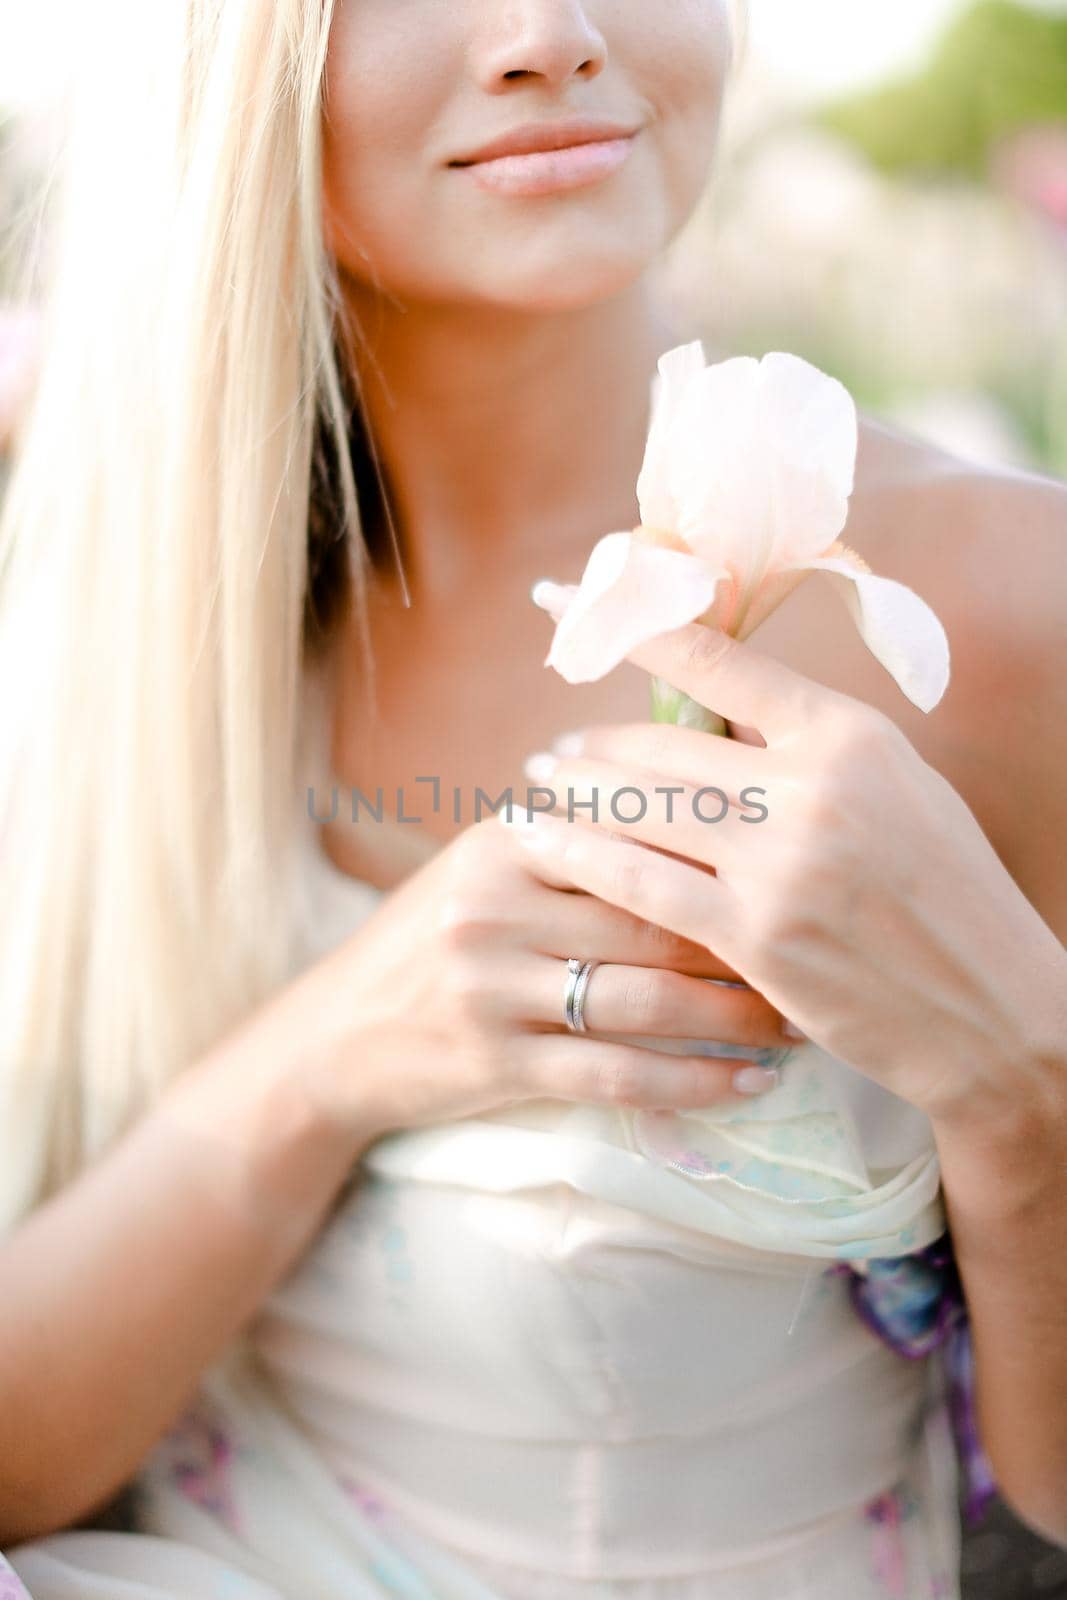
566 285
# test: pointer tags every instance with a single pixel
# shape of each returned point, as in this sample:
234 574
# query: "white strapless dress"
527 1360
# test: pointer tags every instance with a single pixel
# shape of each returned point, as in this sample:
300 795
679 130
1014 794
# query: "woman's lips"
544 171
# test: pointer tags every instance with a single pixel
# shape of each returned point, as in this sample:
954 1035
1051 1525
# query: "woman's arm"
1006 1189
120 1290
1006 1200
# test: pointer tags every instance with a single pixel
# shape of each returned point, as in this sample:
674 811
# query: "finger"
624 999
656 888
686 754
584 926
542 871
733 678
603 1073
704 824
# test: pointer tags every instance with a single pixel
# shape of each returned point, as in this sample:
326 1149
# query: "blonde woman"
325 1235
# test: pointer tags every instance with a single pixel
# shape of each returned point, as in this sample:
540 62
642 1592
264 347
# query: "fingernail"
755 1080
529 828
540 766
569 744
791 1030
772 1057
548 595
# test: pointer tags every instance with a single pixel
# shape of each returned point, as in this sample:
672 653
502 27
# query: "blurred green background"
907 232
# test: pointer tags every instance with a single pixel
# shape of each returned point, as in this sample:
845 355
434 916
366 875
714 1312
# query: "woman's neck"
500 432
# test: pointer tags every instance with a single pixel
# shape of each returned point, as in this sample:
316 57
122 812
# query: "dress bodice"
556 1355
553 1353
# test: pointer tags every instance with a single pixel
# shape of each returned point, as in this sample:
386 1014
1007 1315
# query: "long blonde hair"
192 436
154 572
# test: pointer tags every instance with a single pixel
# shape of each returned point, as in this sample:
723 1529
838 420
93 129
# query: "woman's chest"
461 696
442 736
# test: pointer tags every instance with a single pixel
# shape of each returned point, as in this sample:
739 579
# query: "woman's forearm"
120 1290
1006 1198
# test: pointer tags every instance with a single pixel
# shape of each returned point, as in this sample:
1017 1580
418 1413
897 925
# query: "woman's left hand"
848 881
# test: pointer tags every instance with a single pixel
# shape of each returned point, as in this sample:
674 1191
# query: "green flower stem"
671 705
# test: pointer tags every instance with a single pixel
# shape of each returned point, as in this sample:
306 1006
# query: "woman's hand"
449 1000
867 904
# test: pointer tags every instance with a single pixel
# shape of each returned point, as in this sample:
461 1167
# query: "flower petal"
896 625
762 463
775 588
676 370
715 465
629 592
812 426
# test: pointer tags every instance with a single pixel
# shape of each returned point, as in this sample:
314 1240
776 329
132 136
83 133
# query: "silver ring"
578 975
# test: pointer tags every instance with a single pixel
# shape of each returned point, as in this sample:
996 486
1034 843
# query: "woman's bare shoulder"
987 544
986 547
891 458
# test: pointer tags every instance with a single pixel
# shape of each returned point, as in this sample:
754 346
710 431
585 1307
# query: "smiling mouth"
537 172
547 150
540 139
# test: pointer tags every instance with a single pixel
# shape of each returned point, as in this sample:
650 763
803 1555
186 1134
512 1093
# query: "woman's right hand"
448 1000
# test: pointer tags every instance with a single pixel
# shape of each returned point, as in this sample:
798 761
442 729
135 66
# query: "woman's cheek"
372 168
688 137
682 67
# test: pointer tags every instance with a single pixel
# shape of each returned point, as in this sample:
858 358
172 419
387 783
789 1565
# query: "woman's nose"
549 39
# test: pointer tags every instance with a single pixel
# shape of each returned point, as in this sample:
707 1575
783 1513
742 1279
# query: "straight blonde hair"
154 567
158 658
